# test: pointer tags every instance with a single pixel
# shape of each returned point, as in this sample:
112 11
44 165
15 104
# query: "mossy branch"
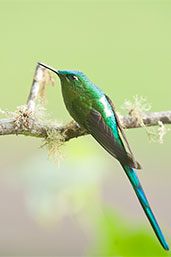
24 121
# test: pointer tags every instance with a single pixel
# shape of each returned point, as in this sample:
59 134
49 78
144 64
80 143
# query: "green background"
85 205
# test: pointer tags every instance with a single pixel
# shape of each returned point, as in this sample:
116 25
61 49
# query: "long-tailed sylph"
94 111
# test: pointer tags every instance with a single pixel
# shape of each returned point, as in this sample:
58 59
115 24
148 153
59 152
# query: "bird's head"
71 78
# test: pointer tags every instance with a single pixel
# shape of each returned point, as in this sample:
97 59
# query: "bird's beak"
49 68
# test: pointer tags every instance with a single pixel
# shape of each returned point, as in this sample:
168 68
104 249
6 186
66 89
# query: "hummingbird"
93 110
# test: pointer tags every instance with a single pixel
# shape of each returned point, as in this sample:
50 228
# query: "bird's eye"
72 77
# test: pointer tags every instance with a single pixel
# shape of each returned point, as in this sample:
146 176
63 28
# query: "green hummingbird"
93 110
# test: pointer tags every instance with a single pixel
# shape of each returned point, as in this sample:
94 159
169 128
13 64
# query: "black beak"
49 68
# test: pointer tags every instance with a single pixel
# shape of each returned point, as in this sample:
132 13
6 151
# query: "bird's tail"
145 205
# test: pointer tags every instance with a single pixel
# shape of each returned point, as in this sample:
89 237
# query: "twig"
38 78
149 119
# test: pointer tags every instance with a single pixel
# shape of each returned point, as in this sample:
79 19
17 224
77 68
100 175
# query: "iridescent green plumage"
93 111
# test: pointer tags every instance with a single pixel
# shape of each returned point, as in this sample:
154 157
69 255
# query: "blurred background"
85 205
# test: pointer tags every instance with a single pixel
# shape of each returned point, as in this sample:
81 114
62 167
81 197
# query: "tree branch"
24 123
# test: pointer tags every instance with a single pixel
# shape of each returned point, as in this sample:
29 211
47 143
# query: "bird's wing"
103 134
121 130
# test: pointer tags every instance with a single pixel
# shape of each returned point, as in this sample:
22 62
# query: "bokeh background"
85 205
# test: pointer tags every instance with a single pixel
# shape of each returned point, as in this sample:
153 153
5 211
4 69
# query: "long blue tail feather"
145 205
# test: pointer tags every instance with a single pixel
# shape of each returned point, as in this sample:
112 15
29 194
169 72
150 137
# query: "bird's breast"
78 107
